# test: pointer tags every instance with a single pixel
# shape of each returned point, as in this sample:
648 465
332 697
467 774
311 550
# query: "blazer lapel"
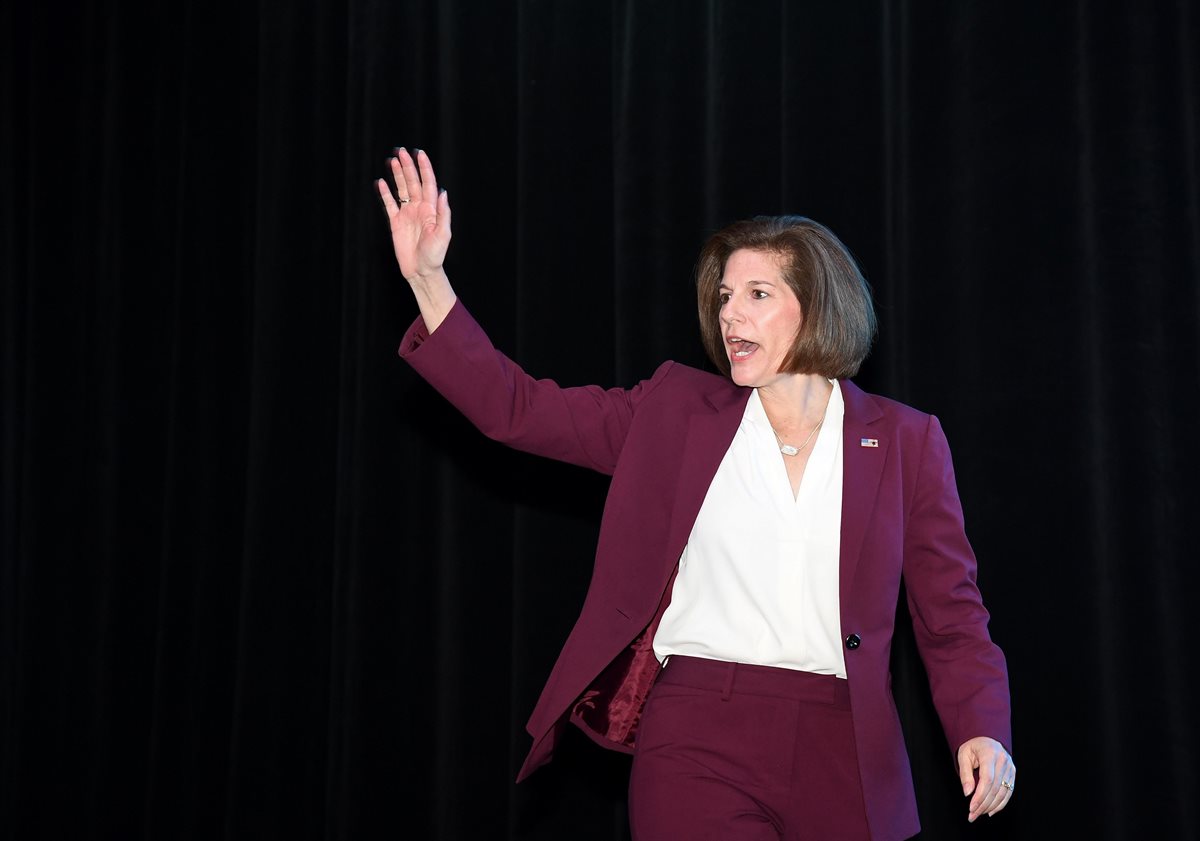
865 449
706 440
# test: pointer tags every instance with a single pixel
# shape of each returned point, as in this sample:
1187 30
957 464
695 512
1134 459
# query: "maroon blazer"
661 442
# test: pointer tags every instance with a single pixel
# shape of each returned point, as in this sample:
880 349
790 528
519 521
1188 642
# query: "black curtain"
258 581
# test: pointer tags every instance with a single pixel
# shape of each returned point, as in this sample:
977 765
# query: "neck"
796 400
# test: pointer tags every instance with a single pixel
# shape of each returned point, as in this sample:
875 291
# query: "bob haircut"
838 318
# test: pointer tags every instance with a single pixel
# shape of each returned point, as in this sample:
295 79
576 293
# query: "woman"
737 631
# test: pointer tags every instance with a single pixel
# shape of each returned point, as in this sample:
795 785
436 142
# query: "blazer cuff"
457 322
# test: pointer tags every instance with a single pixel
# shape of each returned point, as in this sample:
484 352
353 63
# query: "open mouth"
741 348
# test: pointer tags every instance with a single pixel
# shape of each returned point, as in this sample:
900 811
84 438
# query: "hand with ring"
418 215
997 775
419 218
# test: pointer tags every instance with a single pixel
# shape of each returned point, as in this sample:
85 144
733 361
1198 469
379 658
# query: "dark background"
259 582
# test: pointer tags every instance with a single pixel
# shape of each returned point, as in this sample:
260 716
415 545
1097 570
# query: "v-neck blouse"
758 579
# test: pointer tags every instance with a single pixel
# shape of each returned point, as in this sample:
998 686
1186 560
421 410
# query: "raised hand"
418 214
419 218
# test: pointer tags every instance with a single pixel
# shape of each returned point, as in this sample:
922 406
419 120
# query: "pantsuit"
661 443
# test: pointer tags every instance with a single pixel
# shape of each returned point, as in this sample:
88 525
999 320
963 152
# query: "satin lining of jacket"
611 708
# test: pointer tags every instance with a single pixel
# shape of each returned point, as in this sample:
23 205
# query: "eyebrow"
723 285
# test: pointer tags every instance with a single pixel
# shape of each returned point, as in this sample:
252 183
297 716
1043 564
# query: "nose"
730 313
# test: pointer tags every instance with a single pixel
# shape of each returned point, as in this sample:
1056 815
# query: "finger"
385 193
1008 793
1006 773
412 181
994 798
985 790
402 193
443 213
993 803
428 179
966 771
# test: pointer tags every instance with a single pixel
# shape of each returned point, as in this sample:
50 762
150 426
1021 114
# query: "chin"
742 378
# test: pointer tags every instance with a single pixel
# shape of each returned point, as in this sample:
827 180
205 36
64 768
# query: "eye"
723 297
758 294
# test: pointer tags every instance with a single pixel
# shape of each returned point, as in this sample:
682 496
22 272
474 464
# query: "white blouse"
758 579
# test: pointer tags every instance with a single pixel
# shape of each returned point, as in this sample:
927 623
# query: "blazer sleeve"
585 426
967 672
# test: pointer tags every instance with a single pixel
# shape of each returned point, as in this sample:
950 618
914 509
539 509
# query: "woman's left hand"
997 775
419 216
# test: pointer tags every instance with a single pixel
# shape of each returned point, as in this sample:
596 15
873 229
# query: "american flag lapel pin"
868 442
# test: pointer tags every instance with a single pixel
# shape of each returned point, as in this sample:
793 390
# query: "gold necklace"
788 449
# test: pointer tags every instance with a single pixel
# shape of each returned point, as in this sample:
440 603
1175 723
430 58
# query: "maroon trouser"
732 752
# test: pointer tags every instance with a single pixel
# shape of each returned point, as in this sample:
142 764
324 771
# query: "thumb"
966 769
443 212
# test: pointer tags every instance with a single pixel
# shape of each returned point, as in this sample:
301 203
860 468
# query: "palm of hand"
418 215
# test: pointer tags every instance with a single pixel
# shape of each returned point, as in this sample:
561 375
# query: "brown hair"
838 323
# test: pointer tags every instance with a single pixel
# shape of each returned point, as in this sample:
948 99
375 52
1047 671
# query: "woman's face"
760 317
